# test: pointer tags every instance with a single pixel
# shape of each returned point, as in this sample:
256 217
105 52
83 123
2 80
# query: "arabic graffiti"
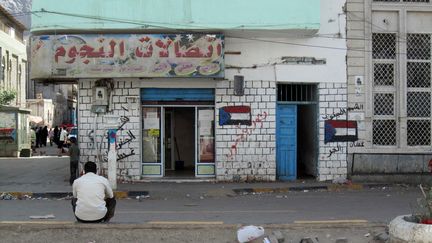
244 133
122 142
342 111
338 148
149 54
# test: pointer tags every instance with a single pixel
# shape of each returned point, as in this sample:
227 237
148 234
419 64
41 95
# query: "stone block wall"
247 153
128 115
332 155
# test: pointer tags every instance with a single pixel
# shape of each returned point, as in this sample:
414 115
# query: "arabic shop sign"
127 55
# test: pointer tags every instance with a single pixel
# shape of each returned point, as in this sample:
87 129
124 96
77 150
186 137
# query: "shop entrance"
179 141
178 133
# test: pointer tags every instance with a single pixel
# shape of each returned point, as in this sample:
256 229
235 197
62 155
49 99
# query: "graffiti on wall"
134 55
235 115
244 133
7 127
336 130
7 135
122 142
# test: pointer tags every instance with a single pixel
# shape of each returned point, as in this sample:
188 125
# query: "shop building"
243 96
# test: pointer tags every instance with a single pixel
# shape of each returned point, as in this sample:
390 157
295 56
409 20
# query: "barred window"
384 89
383 104
419 132
383 74
384 46
384 132
418 93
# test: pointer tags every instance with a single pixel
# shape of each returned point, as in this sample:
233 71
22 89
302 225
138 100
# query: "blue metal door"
286 142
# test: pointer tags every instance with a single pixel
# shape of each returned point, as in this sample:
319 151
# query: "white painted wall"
14 47
265 52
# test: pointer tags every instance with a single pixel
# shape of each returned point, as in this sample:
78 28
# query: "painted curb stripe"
187 222
347 221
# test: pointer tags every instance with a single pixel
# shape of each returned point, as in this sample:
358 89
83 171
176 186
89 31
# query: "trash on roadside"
249 233
142 197
309 240
48 216
7 196
367 235
341 181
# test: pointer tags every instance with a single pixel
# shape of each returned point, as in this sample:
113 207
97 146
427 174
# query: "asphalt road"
374 205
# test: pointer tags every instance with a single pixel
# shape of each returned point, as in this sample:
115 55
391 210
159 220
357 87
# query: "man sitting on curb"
93 199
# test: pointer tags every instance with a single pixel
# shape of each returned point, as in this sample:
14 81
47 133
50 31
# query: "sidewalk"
47 177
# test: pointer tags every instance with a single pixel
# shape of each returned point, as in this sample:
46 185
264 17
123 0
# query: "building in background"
231 90
13 75
389 75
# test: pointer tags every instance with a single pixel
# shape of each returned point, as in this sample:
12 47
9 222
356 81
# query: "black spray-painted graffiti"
124 120
244 134
342 111
338 148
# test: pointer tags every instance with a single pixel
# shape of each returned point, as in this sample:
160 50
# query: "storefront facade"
226 105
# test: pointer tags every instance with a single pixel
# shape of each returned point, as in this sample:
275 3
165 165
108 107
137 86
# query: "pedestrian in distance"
56 135
44 136
93 199
38 136
62 141
74 153
51 136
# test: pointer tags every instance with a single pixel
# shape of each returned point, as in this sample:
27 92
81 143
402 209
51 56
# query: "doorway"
179 141
297 131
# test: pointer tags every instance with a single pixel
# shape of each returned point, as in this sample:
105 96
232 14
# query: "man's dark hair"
73 140
90 167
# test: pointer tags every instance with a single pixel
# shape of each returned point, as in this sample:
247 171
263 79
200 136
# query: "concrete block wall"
333 155
128 168
247 153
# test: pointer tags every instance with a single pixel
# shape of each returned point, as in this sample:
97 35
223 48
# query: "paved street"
222 206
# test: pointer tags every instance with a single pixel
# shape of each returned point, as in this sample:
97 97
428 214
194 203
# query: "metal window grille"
384 46
419 90
383 104
419 46
384 132
418 74
384 92
383 74
297 92
418 104
419 132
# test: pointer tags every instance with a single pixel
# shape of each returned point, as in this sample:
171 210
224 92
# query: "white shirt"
63 135
91 190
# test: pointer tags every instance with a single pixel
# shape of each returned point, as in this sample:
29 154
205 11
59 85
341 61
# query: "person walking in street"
74 153
38 136
51 136
44 136
93 199
62 141
56 135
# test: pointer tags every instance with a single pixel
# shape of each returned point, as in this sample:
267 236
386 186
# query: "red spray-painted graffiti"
244 134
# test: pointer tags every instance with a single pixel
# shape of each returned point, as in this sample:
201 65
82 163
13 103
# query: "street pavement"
41 182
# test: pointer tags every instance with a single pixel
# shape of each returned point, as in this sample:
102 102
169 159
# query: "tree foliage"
7 96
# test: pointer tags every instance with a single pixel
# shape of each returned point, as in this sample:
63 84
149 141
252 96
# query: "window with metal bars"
384 124
419 91
297 92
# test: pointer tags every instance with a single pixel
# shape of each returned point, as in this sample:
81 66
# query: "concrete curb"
73 224
240 191
330 187
63 195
